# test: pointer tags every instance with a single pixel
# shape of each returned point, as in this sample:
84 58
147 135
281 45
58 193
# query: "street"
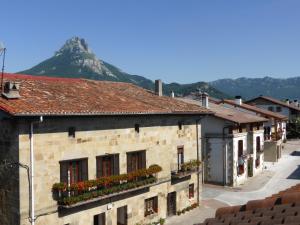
275 177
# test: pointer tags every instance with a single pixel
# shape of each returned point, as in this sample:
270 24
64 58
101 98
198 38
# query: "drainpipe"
32 199
225 152
198 159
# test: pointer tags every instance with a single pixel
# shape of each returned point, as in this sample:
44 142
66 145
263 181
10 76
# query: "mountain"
76 60
252 87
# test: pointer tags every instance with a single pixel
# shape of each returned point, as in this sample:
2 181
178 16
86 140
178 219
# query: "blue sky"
175 40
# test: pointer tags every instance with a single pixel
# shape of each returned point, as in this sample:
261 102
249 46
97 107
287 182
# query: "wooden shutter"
116 169
64 172
240 148
84 169
143 159
155 204
99 164
257 143
129 162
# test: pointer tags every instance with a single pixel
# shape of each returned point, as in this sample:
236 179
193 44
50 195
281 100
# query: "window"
136 161
240 148
180 156
257 144
251 127
137 128
151 206
241 128
191 191
107 165
99 219
278 109
257 126
74 170
270 108
180 125
71 132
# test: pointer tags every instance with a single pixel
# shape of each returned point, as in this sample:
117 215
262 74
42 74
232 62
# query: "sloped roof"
281 208
256 109
226 113
64 96
275 101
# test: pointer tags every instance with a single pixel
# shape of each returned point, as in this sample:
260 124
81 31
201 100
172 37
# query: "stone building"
101 152
232 145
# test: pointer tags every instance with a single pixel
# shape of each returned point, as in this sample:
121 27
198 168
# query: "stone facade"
159 136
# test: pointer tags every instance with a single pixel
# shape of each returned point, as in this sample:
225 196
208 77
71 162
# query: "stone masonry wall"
159 136
9 175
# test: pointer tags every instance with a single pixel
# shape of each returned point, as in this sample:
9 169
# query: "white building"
232 143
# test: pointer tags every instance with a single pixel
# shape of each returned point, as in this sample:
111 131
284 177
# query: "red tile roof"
255 109
226 113
275 101
281 208
64 96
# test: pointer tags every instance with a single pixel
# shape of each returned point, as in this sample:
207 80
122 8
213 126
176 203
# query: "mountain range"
76 60
252 87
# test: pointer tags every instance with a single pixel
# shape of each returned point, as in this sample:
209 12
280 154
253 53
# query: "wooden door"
171 204
99 219
122 215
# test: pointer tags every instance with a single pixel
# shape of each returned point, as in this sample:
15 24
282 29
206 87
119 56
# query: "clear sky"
175 40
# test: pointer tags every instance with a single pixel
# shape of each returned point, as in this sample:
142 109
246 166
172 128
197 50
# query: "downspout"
32 199
224 156
198 159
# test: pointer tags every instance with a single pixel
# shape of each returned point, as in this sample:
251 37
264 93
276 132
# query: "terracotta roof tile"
230 114
282 209
64 96
256 109
276 101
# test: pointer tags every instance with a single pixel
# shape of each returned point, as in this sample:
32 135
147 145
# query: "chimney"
158 87
204 99
238 100
287 101
172 94
11 90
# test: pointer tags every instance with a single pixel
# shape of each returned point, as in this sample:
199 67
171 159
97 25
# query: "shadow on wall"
295 153
295 174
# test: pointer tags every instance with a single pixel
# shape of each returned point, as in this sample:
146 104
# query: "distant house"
288 108
233 143
102 152
274 128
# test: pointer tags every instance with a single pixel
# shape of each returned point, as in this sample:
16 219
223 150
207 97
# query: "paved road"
275 177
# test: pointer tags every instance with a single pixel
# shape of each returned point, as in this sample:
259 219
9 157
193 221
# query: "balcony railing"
241 164
84 192
186 169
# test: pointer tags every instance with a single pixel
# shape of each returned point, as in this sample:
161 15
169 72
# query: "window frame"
258 144
114 165
82 173
180 156
151 206
191 191
240 148
140 160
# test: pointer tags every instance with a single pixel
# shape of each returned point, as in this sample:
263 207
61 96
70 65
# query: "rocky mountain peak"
75 45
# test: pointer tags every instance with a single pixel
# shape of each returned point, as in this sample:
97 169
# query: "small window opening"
180 125
137 128
71 132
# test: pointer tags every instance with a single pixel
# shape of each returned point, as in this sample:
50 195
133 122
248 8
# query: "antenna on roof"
2 53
